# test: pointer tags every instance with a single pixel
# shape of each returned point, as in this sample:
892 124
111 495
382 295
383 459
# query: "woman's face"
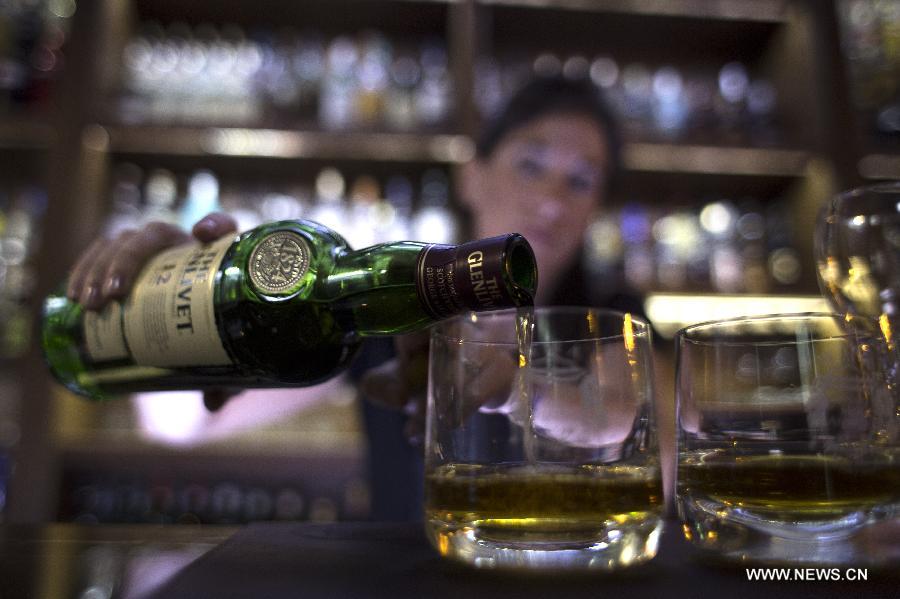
544 180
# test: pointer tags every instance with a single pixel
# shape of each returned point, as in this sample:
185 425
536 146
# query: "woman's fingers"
108 268
83 266
213 226
385 385
127 257
214 399
395 382
94 279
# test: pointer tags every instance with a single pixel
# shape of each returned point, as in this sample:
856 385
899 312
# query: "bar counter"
273 560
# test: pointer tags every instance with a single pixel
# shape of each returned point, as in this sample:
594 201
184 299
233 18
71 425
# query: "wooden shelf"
451 149
767 11
90 447
275 143
715 160
879 166
26 135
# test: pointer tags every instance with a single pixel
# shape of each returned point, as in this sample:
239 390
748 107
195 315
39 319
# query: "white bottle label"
169 318
103 334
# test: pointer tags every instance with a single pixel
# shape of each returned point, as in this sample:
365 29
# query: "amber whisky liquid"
525 502
791 488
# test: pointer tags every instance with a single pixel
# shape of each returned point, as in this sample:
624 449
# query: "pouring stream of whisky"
524 336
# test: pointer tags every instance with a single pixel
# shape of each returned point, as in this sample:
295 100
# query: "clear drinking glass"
545 461
857 251
857 248
788 437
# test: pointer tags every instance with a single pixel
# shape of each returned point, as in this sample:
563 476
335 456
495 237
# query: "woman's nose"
550 207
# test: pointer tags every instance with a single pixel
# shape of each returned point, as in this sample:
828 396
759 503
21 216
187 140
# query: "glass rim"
887 186
638 322
683 334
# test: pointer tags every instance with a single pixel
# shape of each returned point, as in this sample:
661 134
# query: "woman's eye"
582 183
529 167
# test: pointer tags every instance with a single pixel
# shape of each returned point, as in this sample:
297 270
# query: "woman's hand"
108 268
400 383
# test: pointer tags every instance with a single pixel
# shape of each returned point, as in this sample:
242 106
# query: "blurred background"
741 117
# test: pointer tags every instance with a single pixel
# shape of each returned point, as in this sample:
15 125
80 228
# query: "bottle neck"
488 274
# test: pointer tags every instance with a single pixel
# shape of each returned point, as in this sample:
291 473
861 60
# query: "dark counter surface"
274 560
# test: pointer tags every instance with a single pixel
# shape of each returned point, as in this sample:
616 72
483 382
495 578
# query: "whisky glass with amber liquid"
541 447
788 438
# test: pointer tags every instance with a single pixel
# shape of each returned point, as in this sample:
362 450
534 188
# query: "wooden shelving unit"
767 11
289 144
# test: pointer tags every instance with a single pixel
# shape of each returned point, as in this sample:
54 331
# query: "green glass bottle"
285 304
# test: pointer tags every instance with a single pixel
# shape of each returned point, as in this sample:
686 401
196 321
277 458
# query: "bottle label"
169 318
103 334
452 279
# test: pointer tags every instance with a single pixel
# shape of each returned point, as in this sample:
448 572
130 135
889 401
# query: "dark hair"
545 95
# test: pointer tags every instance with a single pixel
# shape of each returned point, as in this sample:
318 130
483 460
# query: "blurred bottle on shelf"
783 260
638 265
338 93
241 203
226 502
400 107
220 75
373 76
547 64
372 211
258 505
662 102
719 220
160 196
488 93
637 86
192 500
870 42
434 93
750 237
201 199
107 497
32 38
309 68
435 221
290 504
398 192
276 81
696 245
700 90
669 104
678 241
363 225
22 206
762 100
239 62
125 199
730 103
603 253
576 67
329 208
184 75
276 205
